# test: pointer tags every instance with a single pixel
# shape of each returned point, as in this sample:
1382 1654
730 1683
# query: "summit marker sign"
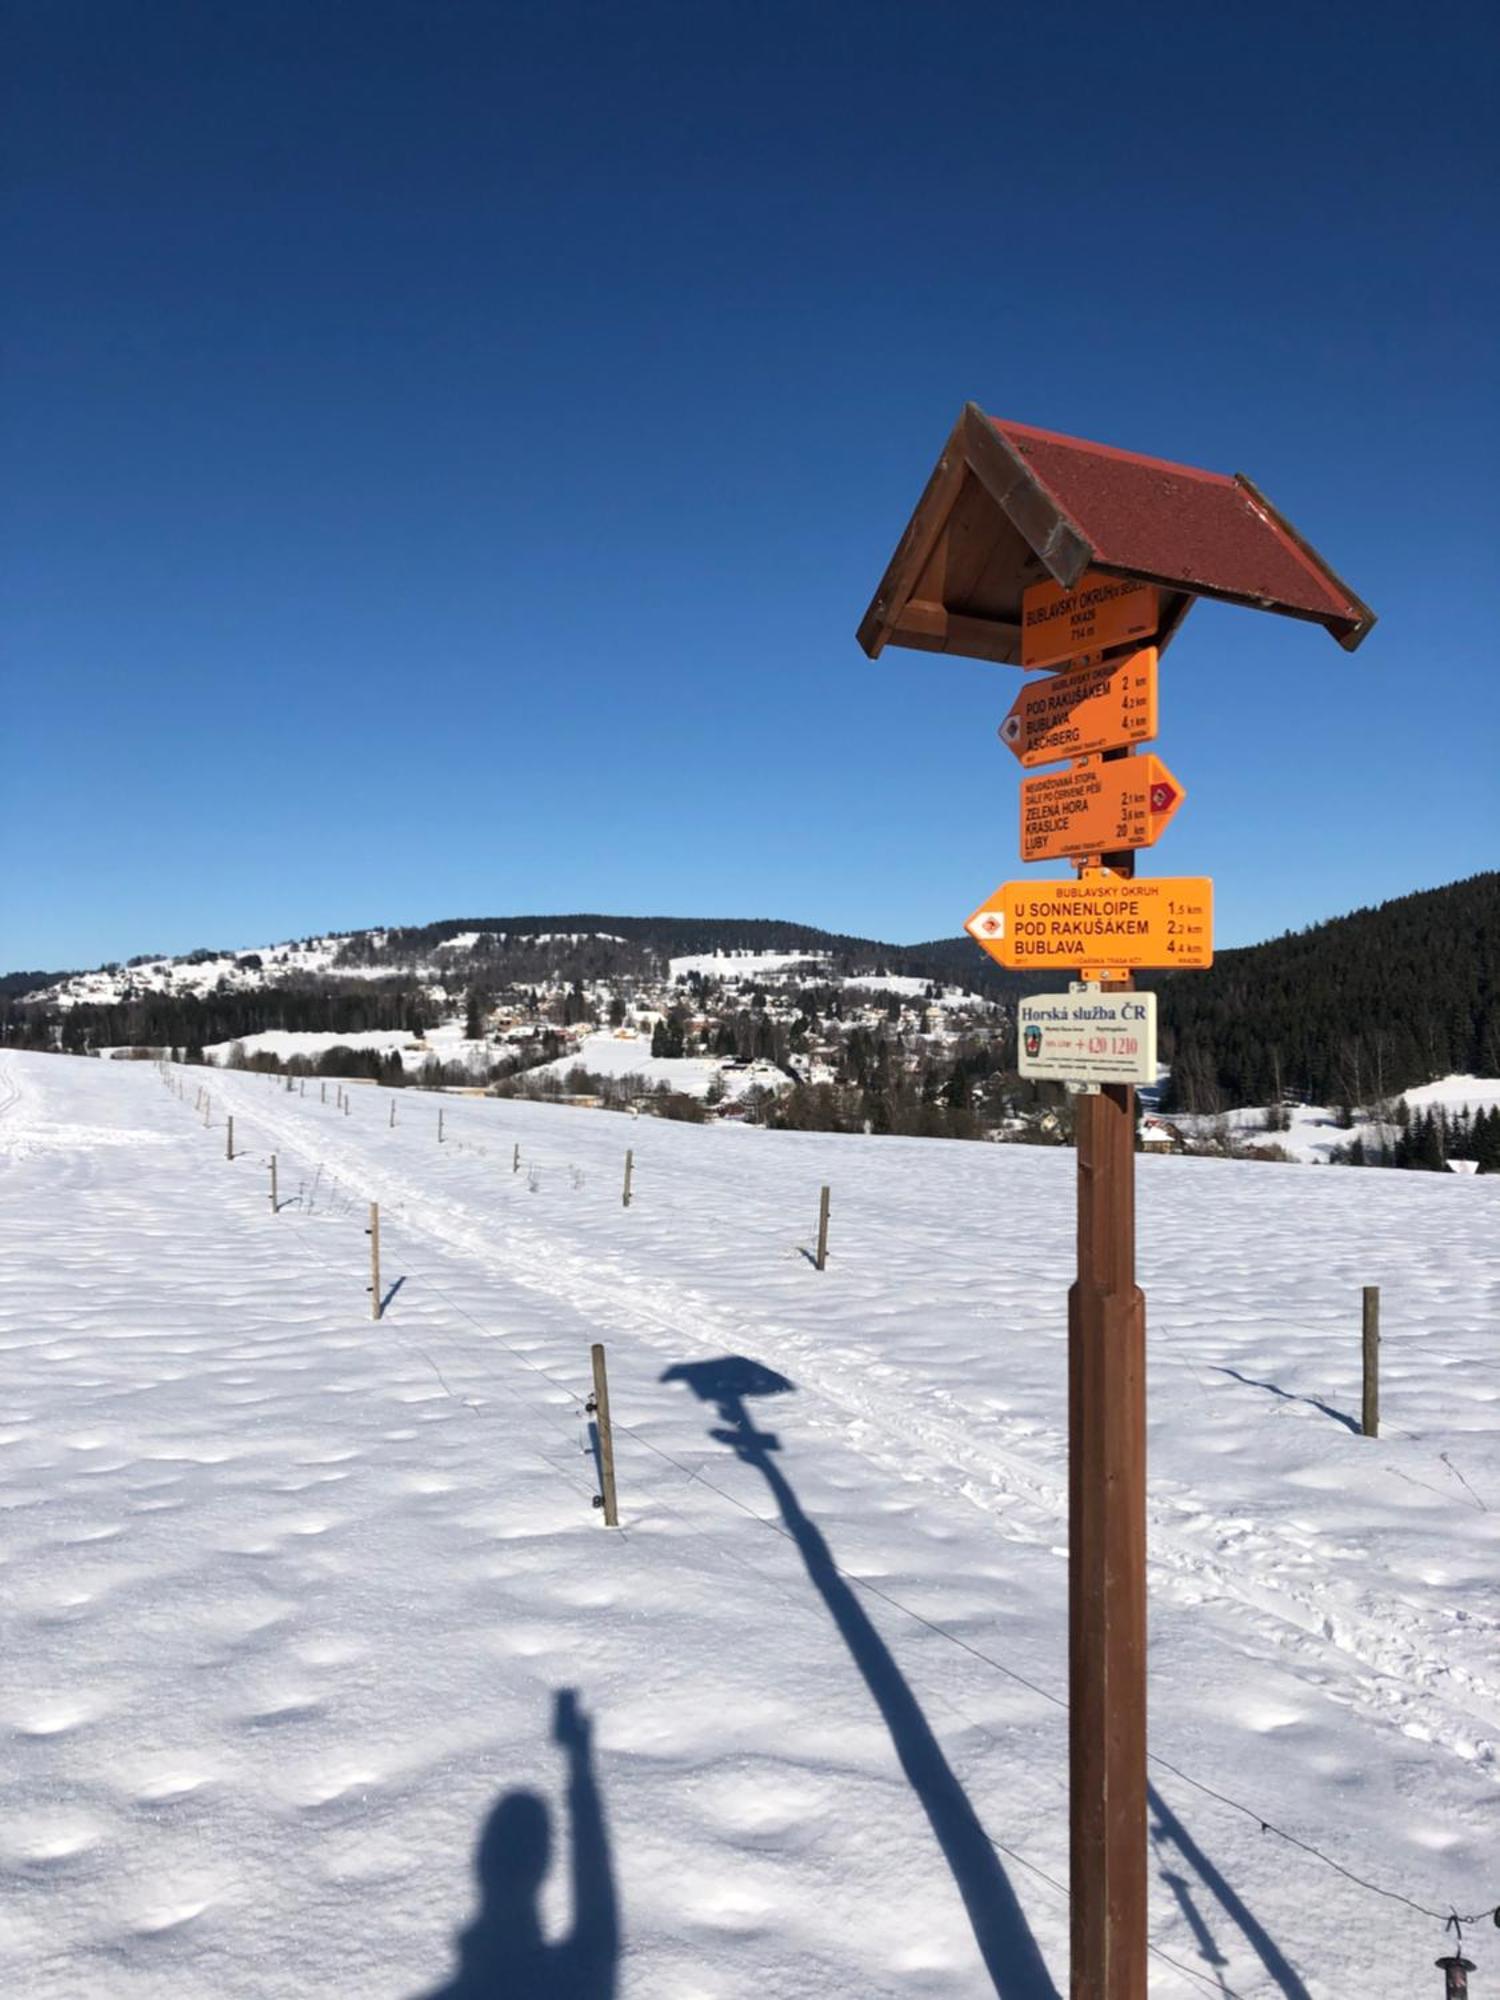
1097 613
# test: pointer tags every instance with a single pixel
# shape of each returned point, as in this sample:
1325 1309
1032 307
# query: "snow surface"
608 1055
445 1043
289 1595
771 967
743 965
1313 1132
1456 1093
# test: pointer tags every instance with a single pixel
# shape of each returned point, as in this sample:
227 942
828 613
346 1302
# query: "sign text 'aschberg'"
1102 920
1088 1037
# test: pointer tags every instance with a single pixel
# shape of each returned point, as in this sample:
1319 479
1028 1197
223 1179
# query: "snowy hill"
308 1615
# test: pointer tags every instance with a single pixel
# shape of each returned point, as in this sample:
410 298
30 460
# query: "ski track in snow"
229 1500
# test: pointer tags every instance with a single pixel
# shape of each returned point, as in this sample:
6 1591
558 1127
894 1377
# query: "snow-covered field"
292 1598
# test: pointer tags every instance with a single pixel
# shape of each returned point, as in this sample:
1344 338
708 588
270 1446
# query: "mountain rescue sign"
1113 920
1095 807
1087 1037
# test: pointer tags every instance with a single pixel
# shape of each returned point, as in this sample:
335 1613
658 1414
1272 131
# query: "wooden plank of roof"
934 628
914 548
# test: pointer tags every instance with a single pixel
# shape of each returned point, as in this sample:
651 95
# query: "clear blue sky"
451 446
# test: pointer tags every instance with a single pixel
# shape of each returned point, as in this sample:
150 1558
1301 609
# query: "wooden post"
515 1158
822 1258
598 1406
302 1087
229 1140
322 1093
393 1114
1107 1561
440 1127
373 1232
346 1104
1371 1412
273 1184
625 1195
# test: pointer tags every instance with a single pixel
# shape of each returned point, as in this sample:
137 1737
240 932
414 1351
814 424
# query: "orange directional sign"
1104 920
1083 710
1099 611
1095 807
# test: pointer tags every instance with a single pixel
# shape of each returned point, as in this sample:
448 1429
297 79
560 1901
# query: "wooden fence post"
1371 1412
229 1139
440 1127
393 1112
346 1104
302 1087
625 1193
598 1408
373 1232
515 1158
322 1093
273 1184
822 1258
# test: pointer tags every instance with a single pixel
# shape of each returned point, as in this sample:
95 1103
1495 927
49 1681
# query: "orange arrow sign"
1096 807
1083 710
1103 920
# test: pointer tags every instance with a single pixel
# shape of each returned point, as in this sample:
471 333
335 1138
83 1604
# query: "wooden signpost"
1047 551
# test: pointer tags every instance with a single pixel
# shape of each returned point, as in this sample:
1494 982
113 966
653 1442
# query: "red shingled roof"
1207 530
1008 505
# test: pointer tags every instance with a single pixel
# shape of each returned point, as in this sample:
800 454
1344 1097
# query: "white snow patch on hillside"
743 965
445 1043
1456 1093
609 1055
1314 1133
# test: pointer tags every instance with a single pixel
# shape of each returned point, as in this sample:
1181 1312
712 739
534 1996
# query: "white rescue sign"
1088 1037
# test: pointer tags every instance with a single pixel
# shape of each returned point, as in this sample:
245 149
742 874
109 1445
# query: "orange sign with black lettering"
1106 920
1096 807
1082 710
1098 612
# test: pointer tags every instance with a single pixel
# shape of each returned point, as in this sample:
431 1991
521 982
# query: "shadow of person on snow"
1006 1945
503 1954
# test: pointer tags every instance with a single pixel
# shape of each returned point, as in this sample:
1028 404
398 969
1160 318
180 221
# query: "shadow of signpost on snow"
1169 1831
503 1954
1009 1950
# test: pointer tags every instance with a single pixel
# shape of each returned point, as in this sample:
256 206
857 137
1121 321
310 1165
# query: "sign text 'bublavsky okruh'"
1103 920
1083 710
1097 613
1095 806
1087 1037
